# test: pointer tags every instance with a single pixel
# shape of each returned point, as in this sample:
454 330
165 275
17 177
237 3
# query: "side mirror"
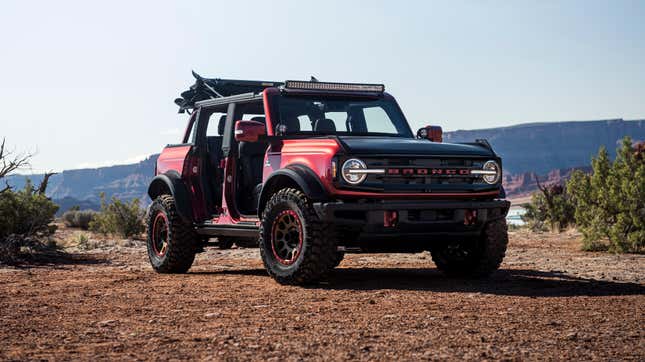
249 131
432 133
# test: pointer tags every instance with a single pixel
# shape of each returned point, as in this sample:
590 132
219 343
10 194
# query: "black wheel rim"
459 252
160 234
286 237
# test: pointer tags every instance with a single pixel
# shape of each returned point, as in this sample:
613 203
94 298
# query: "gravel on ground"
548 301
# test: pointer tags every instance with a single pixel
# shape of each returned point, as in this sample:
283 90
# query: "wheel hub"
458 251
160 234
286 236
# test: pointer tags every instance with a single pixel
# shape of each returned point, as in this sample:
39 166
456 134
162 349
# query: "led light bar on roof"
327 86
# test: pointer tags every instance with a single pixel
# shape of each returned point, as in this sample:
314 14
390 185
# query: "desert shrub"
79 218
25 216
26 212
120 218
83 242
610 203
550 208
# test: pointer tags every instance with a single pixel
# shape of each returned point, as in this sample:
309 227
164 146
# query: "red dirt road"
548 301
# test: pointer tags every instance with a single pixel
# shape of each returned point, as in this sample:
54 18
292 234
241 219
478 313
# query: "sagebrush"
26 212
79 218
25 218
117 217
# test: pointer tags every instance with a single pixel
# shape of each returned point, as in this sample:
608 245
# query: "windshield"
319 115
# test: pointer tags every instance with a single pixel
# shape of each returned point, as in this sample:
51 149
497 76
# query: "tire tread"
319 256
182 245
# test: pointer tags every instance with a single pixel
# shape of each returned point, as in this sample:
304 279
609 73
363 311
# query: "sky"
88 84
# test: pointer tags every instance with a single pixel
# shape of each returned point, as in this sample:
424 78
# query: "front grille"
424 174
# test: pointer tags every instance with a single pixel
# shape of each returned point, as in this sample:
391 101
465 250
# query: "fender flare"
304 177
171 183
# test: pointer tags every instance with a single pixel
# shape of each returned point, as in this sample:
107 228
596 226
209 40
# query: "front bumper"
413 218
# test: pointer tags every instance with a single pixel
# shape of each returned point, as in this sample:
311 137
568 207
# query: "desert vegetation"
77 218
607 205
25 215
119 218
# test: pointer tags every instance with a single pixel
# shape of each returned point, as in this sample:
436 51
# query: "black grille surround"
405 174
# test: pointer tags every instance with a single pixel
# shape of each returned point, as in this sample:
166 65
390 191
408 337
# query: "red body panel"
316 154
267 109
172 159
175 158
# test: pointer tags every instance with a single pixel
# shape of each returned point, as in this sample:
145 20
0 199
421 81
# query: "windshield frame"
393 111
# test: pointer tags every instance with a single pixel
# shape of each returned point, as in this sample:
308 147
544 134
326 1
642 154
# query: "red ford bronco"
310 170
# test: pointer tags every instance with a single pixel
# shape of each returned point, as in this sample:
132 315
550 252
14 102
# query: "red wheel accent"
160 234
286 237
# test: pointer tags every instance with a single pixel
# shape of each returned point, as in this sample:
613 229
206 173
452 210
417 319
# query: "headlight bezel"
492 165
353 179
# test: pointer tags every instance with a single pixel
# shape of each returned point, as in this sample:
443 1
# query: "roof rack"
213 88
207 91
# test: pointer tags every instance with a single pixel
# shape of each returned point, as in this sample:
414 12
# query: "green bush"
26 212
610 203
79 218
83 242
25 217
551 208
120 218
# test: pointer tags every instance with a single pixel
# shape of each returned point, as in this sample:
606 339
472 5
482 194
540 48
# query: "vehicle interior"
324 116
249 158
213 176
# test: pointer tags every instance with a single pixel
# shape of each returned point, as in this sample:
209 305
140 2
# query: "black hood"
408 146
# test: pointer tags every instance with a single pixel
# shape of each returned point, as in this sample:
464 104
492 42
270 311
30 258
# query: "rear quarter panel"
172 159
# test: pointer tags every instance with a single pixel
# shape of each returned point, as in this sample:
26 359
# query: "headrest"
221 124
325 125
259 119
292 124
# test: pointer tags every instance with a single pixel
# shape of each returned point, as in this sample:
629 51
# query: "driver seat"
251 156
324 125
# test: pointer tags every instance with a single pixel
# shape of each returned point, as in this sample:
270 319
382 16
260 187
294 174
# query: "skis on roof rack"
211 88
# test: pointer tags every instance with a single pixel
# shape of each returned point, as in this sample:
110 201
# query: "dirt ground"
548 301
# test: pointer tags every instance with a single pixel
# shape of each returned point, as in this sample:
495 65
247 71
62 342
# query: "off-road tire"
182 241
317 255
485 254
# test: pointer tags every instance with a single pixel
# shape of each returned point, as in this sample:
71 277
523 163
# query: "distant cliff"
83 187
542 147
524 184
527 149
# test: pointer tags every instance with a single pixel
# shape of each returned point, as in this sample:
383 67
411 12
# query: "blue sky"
87 83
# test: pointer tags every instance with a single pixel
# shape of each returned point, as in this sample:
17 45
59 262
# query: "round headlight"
491 178
350 177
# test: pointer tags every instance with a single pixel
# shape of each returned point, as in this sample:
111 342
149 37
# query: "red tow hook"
470 217
390 218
